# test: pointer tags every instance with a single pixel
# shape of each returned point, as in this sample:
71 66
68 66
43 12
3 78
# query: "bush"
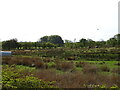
90 69
105 68
13 79
64 65
39 64
116 70
80 64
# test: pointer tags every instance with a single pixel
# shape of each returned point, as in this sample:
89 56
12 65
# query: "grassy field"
63 68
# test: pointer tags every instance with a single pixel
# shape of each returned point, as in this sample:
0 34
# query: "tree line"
55 41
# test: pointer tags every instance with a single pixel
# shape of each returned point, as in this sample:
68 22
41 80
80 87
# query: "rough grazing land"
62 68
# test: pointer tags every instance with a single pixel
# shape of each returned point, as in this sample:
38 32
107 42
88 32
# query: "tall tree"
83 42
44 39
112 42
90 43
117 37
10 44
55 39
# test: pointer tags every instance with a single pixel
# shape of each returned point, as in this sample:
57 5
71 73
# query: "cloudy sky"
28 20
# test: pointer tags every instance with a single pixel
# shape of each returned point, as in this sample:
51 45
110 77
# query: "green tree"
112 42
10 44
68 43
90 43
83 42
55 39
44 39
117 37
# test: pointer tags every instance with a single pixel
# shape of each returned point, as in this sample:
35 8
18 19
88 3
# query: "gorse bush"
26 82
13 79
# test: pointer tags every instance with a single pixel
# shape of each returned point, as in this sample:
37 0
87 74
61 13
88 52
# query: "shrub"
46 74
39 64
12 79
115 80
6 59
26 82
80 64
18 60
90 69
26 61
116 70
105 68
64 65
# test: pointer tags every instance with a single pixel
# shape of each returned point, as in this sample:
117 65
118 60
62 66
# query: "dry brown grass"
67 79
90 69
116 70
27 61
39 64
115 79
62 65
46 74
76 79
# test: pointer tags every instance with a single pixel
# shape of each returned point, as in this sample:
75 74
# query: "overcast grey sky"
28 20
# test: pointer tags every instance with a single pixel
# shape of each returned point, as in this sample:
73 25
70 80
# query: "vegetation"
54 41
16 78
48 64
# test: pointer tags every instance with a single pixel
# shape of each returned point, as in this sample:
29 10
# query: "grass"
59 65
66 79
40 62
110 64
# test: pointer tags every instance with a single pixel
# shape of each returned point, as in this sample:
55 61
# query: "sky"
29 20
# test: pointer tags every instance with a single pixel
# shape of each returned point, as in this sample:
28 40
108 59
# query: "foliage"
55 39
13 79
78 63
10 44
